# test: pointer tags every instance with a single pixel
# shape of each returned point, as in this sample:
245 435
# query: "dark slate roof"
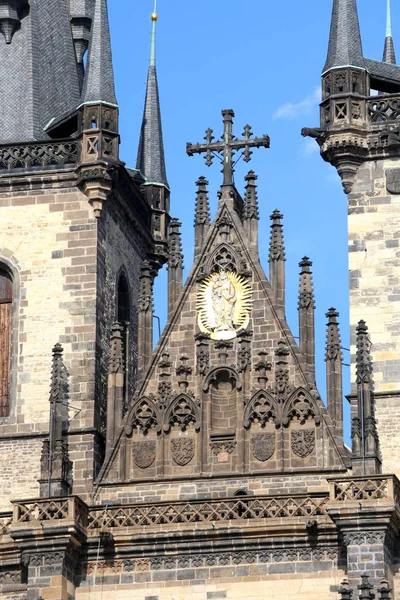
384 72
345 46
98 85
151 159
38 75
389 55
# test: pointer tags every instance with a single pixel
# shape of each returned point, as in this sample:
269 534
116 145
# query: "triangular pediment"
235 368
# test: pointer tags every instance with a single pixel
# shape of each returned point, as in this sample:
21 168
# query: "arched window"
123 303
6 297
123 318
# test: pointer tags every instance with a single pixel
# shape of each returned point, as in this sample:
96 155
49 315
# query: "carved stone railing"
229 509
50 509
382 109
374 488
36 155
5 522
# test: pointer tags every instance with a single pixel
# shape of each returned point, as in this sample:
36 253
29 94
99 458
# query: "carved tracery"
143 417
182 413
300 407
260 409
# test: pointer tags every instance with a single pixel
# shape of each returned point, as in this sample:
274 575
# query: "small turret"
175 264
334 382
202 219
100 144
306 309
277 262
366 458
251 214
151 159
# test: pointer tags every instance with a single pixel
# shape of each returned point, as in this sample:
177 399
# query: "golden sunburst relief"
223 304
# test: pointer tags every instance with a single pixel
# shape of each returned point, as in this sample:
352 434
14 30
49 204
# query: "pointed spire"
277 262
202 218
334 381
98 85
389 55
366 454
345 47
151 159
363 356
306 318
251 213
175 265
251 204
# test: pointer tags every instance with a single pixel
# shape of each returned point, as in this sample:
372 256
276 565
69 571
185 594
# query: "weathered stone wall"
374 263
20 464
303 580
48 237
66 264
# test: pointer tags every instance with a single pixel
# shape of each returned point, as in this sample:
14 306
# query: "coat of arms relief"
223 304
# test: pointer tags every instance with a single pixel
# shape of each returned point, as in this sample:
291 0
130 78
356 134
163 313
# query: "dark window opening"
123 318
6 297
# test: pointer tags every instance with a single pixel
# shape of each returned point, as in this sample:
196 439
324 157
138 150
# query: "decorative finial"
388 20
154 19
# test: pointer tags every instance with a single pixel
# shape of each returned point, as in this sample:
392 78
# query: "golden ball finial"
154 16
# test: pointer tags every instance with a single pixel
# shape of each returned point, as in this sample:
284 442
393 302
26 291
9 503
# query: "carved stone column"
277 262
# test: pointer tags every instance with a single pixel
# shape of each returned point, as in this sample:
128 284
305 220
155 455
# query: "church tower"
359 135
76 229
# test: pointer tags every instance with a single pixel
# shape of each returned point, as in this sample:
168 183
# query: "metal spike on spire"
98 85
151 158
345 47
389 55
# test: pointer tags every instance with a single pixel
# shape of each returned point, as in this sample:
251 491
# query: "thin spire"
345 47
151 159
98 85
389 55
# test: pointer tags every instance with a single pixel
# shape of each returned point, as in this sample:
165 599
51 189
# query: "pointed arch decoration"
143 416
223 258
261 408
230 373
182 412
300 406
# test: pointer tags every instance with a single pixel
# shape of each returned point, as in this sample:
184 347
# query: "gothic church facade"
211 467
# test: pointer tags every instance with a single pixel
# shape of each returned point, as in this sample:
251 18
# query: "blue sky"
263 59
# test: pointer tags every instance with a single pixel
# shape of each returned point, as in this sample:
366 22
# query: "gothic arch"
223 257
261 408
301 406
9 265
123 297
214 373
182 412
144 415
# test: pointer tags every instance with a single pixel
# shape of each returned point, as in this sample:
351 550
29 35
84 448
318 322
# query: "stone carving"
244 356
182 413
144 417
182 450
263 445
313 132
203 360
38 155
303 442
144 453
164 390
358 538
260 409
227 446
224 304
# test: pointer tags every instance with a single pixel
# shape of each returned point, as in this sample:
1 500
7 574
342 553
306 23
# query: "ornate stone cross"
227 146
